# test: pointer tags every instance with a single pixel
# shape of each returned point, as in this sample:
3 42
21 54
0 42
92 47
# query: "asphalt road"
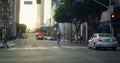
31 50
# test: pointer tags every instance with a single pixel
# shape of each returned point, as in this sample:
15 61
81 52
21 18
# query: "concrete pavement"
10 43
68 43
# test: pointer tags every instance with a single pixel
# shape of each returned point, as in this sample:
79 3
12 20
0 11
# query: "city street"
30 50
59 31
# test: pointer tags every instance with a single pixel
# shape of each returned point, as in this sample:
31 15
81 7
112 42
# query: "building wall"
42 12
38 22
16 10
46 11
28 13
53 8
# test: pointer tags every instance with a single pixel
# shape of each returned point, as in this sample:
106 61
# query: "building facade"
28 14
9 16
16 12
46 12
38 22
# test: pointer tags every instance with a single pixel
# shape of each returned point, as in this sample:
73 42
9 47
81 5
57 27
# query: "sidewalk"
73 43
10 43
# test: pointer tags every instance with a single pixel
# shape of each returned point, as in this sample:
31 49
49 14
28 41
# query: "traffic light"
113 17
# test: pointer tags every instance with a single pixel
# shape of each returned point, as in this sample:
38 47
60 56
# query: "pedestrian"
58 39
4 39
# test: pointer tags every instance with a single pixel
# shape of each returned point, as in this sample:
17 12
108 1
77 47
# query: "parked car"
102 40
51 38
40 35
45 37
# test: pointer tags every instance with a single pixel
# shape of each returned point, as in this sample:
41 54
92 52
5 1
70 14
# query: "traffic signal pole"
110 10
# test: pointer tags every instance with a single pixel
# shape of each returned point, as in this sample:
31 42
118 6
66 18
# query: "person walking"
58 39
4 39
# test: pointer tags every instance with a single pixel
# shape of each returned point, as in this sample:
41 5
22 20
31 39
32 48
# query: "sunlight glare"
28 14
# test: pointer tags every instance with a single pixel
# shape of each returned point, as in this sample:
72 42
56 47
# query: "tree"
22 28
89 11
71 9
63 12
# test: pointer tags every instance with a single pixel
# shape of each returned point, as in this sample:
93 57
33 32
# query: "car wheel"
94 47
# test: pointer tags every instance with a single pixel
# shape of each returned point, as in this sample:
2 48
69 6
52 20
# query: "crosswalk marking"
53 47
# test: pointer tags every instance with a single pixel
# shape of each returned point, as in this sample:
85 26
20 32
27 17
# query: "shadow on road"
107 49
1 47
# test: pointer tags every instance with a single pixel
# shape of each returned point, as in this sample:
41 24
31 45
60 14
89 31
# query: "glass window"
28 2
94 36
105 35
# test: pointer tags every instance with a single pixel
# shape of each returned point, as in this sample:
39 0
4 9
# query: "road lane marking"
53 47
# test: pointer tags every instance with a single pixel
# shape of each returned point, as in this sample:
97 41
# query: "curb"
13 42
10 43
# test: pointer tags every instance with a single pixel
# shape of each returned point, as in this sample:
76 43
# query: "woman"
58 39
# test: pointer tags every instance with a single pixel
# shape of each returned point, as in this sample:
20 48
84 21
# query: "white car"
102 40
51 38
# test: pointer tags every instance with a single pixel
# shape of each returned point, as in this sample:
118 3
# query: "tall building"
38 22
9 16
46 12
55 4
28 13
16 12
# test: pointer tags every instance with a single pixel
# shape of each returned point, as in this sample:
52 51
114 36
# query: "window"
105 35
38 1
94 36
28 2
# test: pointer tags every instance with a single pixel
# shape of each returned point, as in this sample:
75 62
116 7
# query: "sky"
28 14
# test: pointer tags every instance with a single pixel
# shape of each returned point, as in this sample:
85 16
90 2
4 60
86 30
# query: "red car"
40 35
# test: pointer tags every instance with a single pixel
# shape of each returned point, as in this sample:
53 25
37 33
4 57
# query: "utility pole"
110 9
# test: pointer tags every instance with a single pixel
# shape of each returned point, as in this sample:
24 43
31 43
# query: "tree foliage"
63 12
23 28
81 10
78 12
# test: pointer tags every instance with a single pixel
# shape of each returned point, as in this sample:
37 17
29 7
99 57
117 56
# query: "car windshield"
105 35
